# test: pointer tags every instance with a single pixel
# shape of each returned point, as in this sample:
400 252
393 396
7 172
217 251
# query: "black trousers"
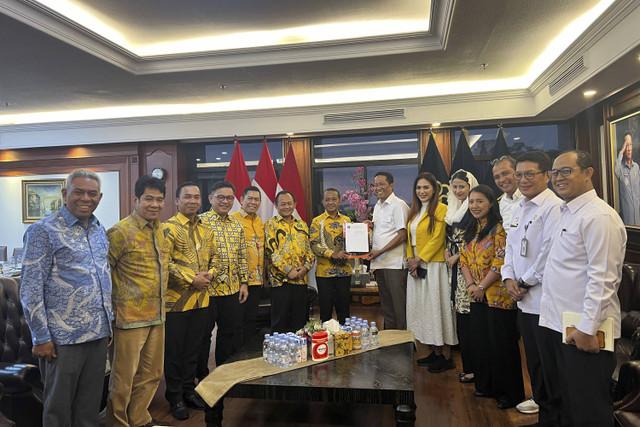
249 313
496 354
577 382
289 307
226 313
463 325
532 340
334 291
184 332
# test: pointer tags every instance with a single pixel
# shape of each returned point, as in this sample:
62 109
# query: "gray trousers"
392 288
73 384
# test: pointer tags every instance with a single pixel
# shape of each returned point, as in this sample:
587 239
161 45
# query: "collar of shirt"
184 220
69 219
215 216
388 200
538 200
579 201
516 196
141 222
338 215
244 213
279 218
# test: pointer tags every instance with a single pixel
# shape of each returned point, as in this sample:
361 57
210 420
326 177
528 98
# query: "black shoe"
442 365
464 378
193 400
426 361
479 393
503 404
179 410
154 423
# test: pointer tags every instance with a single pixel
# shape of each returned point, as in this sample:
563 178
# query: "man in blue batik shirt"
66 295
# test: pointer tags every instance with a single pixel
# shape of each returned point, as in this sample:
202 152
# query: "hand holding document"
570 322
356 237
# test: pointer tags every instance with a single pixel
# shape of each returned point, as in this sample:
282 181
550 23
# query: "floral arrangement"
359 198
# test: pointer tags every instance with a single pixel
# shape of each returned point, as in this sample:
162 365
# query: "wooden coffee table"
380 376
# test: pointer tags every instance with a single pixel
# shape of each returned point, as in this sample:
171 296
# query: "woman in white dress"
458 216
429 308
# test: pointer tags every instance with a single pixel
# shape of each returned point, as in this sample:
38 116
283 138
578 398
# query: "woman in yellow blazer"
430 312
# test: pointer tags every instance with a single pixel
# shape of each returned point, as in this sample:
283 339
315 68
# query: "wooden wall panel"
302 151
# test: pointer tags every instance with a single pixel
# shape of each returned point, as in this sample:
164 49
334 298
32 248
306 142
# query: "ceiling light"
224 152
198 160
289 133
218 158
589 92
436 124
517 138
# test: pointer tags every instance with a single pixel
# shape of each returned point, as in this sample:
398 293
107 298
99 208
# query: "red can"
319 345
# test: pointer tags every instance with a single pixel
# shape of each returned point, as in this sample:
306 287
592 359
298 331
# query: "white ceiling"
424 56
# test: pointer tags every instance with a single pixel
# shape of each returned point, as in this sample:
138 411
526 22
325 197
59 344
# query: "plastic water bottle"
265 347
12 263
271 350
293 350
303 349
365 335
6 270
347 322
375 339
356 337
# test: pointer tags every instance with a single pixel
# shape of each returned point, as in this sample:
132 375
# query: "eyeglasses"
528 174
501 159
565 172
222 198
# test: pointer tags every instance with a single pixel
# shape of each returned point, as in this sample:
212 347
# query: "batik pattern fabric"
287 247
192 250
139 258
65 289
229 237
254 235
327 237
484 256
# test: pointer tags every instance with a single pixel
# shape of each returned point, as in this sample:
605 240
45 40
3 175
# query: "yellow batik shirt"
327 237
139 259
228 235
287 247
254 235
192 250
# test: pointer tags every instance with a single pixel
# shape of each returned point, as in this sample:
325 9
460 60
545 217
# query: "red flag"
266 180
237 175
290 181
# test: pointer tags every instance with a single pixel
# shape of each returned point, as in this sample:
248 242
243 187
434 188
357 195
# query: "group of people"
477 272
508 267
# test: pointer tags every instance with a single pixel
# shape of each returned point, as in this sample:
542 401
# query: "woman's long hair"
416 204
493 216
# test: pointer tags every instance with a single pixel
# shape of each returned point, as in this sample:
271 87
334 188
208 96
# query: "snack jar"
319 345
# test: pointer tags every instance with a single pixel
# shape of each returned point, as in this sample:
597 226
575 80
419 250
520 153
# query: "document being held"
605 331
356 238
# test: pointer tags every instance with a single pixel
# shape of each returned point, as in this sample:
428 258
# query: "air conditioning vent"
566 76
364 115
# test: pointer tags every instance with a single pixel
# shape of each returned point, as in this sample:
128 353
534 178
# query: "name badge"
524 244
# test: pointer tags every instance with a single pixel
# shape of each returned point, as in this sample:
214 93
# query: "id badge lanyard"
524 243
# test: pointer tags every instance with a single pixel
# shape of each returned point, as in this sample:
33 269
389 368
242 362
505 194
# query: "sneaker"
442 365
528 406
179 410
426 361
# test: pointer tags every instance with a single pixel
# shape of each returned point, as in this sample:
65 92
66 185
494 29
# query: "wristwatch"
522 284
481 288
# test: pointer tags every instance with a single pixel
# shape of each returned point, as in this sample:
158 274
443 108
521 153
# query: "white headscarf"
455 208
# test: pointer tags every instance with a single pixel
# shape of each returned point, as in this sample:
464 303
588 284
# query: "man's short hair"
505 158
147 181
330 189
386 175
221 184
82 173
282 193
185 184
541 158
583 159
251 188
627 133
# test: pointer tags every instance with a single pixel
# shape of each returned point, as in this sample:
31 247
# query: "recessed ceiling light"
224 152
289 133
218 158
517 138
198 160
436 124
589 92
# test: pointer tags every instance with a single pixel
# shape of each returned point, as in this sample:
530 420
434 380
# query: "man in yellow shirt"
139 267
254 235
290 259
194 262
333 272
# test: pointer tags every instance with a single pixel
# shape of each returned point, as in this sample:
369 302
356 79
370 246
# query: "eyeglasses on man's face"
528 174
564 172
222 198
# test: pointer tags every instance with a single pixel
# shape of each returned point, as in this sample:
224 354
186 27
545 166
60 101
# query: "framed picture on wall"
625 153
41 198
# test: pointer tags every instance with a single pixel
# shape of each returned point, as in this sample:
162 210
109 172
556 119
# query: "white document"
605 330
356 238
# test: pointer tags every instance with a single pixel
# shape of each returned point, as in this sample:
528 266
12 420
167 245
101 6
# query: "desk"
380 376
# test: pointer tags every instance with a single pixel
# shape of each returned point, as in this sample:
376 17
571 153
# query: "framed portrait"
41 198
625 154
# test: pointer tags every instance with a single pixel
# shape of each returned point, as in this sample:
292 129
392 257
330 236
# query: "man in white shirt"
387 254
535 217
503 170
582 275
